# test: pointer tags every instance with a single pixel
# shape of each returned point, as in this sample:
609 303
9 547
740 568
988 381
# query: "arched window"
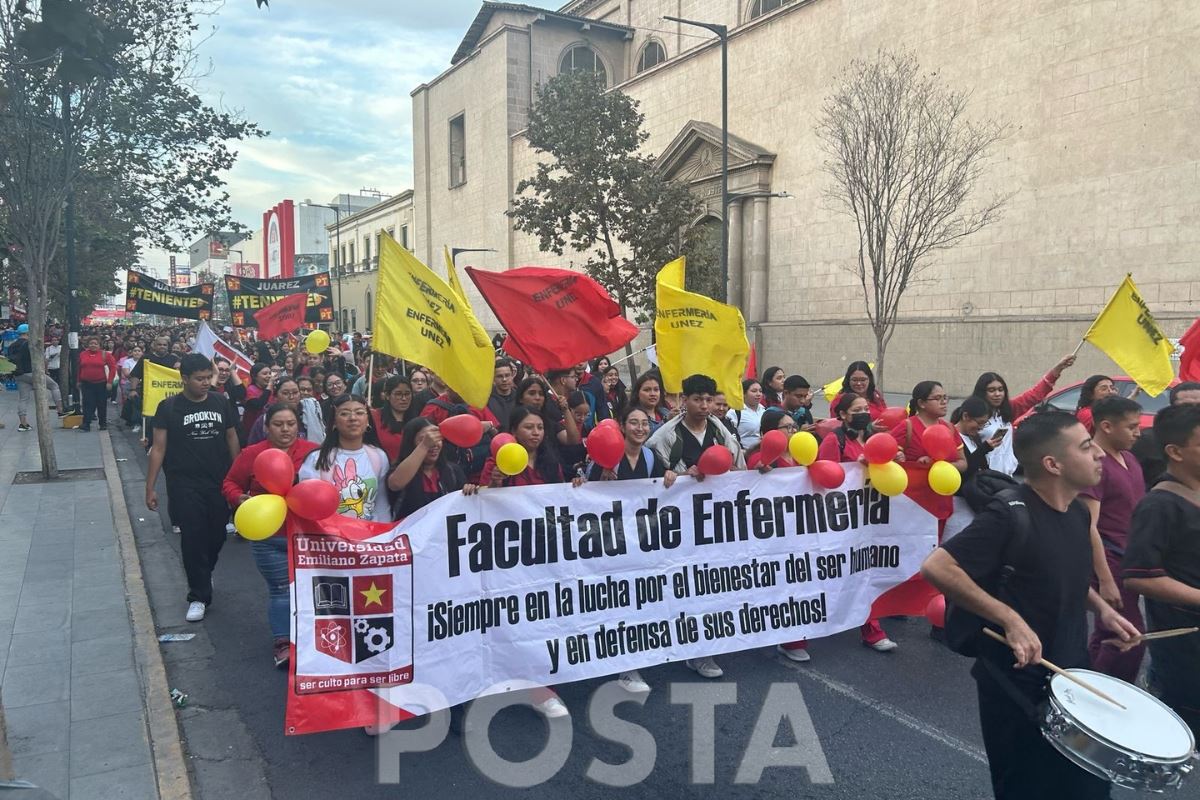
652 55
760 7
582 58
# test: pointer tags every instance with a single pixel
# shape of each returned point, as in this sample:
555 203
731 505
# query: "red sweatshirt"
240 479
92 366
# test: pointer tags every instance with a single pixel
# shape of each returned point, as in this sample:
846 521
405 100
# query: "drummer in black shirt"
1162 561
1045 615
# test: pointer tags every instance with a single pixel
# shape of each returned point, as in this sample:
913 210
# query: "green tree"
597 196
98 111
904 158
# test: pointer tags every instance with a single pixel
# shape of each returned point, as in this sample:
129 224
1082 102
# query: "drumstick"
1148 637
1057 670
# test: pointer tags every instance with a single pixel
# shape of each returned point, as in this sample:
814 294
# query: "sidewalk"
79 666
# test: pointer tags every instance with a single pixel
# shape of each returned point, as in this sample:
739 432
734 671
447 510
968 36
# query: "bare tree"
904 158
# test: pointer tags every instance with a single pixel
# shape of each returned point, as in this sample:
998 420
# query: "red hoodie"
240 479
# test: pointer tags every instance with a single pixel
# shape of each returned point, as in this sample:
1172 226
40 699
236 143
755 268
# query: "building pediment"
695 154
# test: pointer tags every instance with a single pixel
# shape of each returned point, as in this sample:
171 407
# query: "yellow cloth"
1127 333
158 383
420 318
695 334
477 330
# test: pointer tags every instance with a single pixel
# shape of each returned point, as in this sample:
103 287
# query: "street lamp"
454 251
722 33
733 198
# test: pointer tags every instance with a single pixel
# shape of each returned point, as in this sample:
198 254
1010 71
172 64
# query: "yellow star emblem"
373 595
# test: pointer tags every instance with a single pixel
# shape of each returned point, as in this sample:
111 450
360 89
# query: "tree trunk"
881 343
36 314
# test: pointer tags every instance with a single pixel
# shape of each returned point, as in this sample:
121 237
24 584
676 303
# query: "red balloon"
881 448
774 444
313 499
716 460
609 423
464 430
940 443
826 474
274 470
935 612
501 439
891 417
605 446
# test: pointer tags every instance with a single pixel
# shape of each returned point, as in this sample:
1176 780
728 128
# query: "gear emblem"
377 640
362 625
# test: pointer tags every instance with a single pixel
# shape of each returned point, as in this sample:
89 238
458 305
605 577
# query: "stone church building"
1102 162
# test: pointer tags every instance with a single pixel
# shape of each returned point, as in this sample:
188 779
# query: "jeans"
270 556
25 391
95 402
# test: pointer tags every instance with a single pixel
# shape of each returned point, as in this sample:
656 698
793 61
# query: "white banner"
551 584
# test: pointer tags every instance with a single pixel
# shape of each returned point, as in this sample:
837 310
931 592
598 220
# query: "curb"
170 768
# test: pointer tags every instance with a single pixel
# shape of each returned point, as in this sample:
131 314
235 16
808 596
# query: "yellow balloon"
803 447
889 479
944 478
316 342
260 517
512 459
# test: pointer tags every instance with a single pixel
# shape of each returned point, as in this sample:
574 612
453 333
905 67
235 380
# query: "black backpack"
964 629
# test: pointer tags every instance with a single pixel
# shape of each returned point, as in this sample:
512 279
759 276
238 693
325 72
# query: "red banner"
555 318
1189 362
283 316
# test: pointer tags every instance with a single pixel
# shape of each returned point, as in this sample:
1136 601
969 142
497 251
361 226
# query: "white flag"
211 345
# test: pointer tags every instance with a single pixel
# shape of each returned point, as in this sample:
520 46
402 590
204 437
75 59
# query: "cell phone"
1001 433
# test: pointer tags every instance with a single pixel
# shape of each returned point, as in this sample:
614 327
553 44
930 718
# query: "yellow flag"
1128 334
696 334
420 318
477 330
158 383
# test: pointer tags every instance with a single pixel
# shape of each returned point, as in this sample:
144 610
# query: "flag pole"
1078 347
370 370
631 355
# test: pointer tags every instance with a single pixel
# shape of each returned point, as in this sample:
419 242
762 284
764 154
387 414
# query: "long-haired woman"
1004 410
351 460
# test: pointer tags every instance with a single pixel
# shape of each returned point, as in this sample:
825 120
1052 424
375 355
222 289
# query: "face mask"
861 421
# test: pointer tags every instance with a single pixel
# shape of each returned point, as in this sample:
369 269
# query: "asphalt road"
898 725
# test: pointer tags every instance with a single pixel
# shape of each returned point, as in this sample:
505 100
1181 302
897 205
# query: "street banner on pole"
249 296
147 295
543 585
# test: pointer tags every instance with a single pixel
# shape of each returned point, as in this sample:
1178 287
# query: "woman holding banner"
773 419
270 555
351 460
423 472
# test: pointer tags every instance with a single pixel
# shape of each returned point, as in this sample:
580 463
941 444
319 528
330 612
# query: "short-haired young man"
797 401
1116 427
679 442
195 442
1162 562
1147 449
1043 611
504 395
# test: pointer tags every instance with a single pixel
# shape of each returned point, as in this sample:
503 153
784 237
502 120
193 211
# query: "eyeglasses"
348 414
402 395
937 398
642 424
789 426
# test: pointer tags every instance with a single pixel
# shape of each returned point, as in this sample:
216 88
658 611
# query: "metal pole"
725 163
70 366
337 232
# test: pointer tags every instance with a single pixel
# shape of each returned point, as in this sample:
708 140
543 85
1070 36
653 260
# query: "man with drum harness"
1041 606
1162 561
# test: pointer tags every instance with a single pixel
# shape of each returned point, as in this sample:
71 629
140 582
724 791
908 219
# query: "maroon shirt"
1119 491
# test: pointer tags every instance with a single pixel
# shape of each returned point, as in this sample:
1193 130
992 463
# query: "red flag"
555 318
752 365
1189 362
283 316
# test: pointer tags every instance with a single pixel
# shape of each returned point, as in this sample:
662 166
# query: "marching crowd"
368 425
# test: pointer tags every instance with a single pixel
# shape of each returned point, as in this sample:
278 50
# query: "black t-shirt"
197 449
1164 541
1150 456
628 473
19 354
1050 586
169 360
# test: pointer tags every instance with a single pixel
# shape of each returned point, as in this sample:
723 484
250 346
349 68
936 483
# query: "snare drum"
1146 747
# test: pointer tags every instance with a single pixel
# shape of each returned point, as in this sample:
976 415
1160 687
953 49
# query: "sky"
330 80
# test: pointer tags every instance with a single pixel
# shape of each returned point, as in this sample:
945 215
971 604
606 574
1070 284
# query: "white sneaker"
552 708
175 530
230 530
705 667
883 646
800 654
195 611
632 682
376 730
